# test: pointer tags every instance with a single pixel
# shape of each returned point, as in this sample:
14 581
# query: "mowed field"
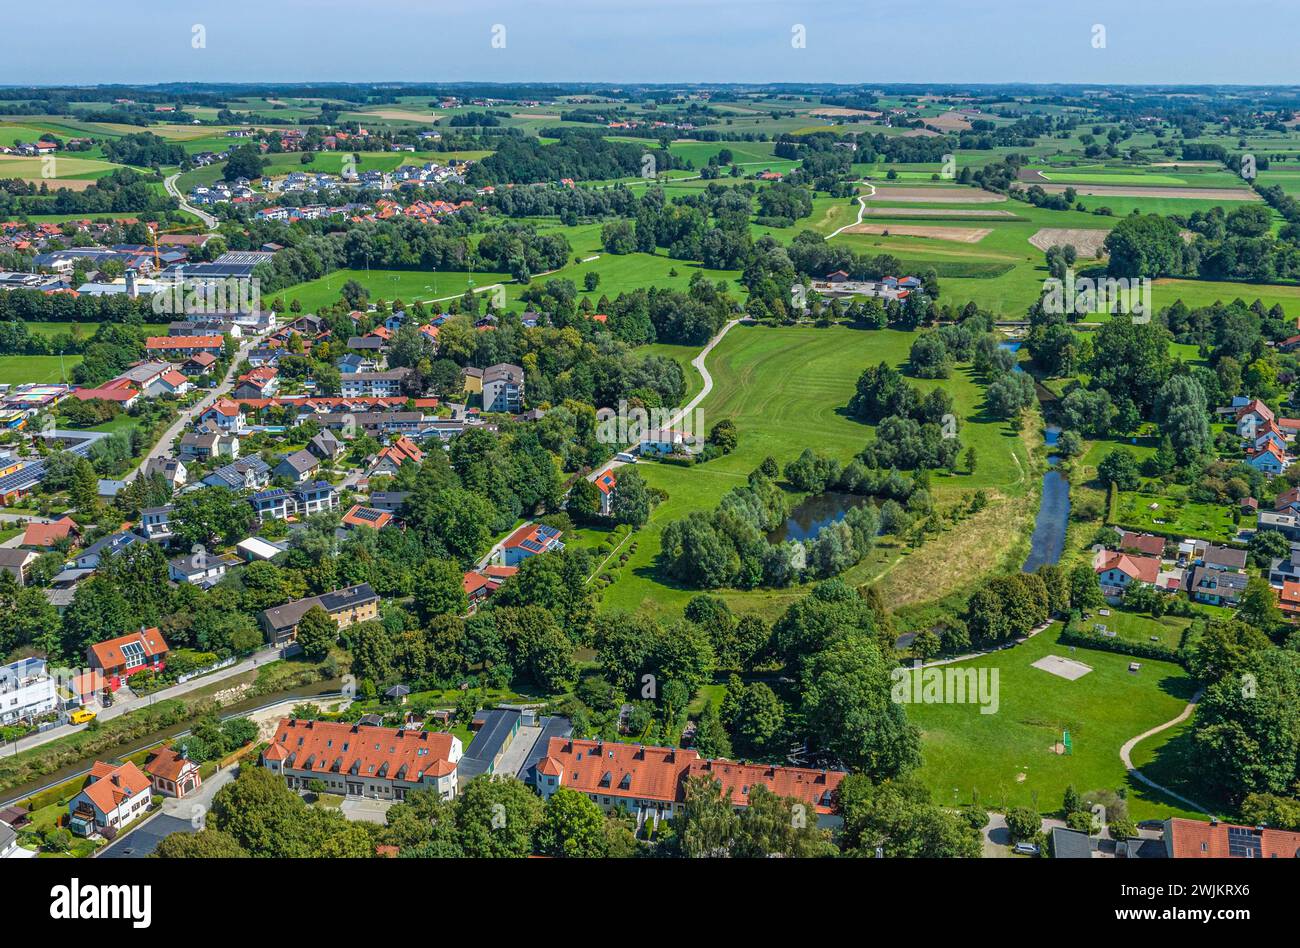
786 388
15 369
1008 757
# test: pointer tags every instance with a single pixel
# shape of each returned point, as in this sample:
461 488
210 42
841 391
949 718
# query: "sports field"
1009 757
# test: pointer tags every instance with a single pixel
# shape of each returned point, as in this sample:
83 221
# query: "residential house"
1115 571
650 782
390 500
1216 587
374 384
199 365
503 388
274 504
250 473
261 382
1270 459
473 379
389 460
1216 557
225 415
297 467
172 773
198 569
27 691
170 382
1285 569
170 470
45 535
1251 417
155 522
1192 839
661 441
1285 523
352 363
481 584
1288 600
106 548
346 606
605 484
359 761
316 497
326 446
18 562
1144 543
361 516
529 540
201 446
113 798
184 347
127 655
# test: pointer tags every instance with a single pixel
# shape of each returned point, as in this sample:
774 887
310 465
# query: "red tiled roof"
44 534
168 764
183 342
339 747
605 483
1143 568
658 773
173 377
1143 543
1192 839
109 654
113 786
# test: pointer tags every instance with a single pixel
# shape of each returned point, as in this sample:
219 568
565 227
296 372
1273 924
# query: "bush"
1023 823
977 818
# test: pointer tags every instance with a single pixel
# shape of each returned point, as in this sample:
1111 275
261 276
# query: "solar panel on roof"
1244 843
133 653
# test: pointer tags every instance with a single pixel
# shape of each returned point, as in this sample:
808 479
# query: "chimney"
117 780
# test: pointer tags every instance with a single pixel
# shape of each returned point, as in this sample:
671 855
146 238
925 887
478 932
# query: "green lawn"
786 389
1008 757
1170 512
16 369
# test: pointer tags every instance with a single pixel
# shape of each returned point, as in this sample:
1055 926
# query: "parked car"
1026 849
81 716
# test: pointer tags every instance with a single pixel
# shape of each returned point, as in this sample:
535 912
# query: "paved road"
701 395
177 816
862 209
209 221
186 418
121 707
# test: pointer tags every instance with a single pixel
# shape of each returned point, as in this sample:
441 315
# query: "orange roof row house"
657 775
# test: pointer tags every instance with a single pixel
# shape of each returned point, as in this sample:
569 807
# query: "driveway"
176 816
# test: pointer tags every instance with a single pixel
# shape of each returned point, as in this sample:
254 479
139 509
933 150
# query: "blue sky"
1147 41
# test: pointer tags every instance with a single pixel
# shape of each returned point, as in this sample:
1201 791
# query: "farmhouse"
357 760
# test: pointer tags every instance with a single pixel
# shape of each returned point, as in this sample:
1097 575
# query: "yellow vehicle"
81 716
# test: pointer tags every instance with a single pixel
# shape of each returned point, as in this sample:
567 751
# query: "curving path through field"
209 221
1126 751
862 209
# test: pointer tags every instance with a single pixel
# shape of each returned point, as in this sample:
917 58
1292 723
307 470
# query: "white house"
26 691
114 797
